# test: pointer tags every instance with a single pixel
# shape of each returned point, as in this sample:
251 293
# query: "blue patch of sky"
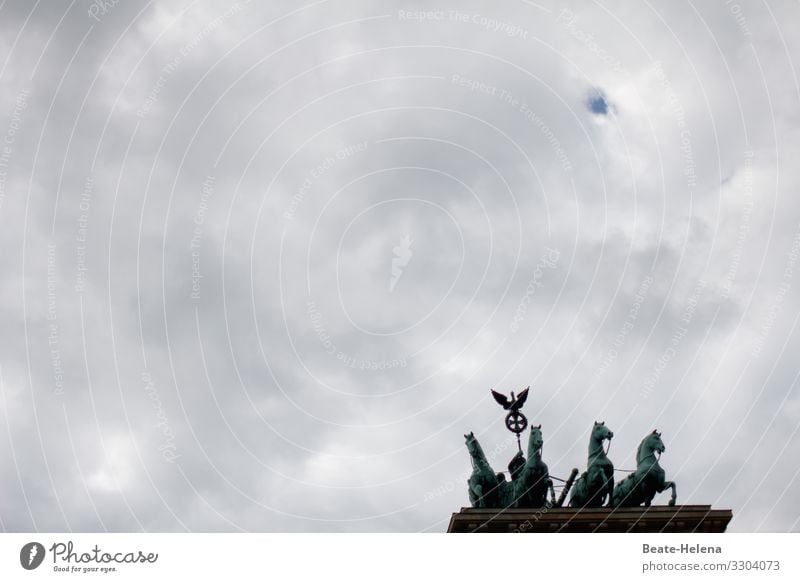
597 103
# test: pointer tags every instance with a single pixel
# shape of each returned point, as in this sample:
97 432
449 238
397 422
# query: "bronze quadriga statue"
531 481
525 502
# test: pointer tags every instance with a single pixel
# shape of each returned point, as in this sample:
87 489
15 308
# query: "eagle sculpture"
514 403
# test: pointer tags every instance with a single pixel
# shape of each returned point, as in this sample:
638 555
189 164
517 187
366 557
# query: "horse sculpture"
486 488
532 481
641 486
595 485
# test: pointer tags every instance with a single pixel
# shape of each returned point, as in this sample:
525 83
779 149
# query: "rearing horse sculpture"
641 486
486 489
597 484
533 480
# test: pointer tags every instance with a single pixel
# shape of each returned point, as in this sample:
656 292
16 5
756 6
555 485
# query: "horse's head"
479 461
536 441
601 432
473 446
653 443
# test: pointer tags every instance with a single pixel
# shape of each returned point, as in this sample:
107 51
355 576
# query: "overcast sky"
262 262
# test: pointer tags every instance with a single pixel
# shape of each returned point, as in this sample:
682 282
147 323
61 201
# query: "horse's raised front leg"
552 494
671 484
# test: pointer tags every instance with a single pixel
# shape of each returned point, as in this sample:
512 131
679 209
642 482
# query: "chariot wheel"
516 422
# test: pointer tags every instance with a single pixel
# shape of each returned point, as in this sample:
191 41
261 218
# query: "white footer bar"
389 557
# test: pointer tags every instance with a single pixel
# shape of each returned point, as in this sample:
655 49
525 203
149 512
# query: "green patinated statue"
486 488
641 486
532 479
596 486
